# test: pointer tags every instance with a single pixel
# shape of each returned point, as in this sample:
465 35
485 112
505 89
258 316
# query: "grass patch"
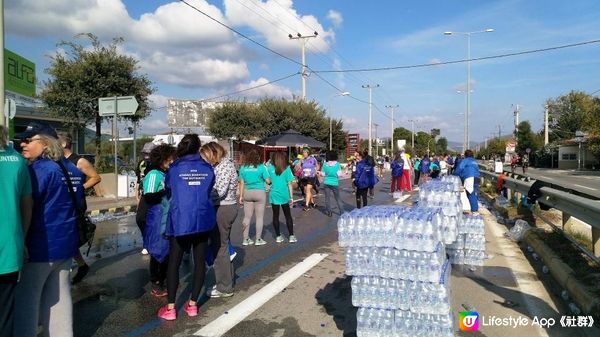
585 269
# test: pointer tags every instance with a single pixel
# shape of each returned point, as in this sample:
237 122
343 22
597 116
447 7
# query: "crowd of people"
189 197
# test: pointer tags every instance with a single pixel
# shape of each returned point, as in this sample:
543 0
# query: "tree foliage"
527 139
575 111
271 116
495 147
84 73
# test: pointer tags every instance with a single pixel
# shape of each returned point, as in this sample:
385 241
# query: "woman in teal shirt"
253 176
331 170
281 194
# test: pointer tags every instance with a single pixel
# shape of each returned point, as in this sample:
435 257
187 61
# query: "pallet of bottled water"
443 195
393 263
469 248
400 227
372 322
423 297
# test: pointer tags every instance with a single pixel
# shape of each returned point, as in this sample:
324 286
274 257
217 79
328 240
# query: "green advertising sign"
19 74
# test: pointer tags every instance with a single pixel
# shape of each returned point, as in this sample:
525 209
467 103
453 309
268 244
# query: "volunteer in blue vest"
364 178
43 294
15 189
156 216
425 169
188 183
397 167
331 172
253 177
469 174
308 177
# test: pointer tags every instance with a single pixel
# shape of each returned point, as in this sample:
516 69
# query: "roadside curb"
560 271
113 210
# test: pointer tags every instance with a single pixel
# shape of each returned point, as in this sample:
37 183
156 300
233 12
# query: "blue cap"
37 128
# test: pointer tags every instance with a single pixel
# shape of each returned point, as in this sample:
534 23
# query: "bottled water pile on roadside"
444 195
392 226
470 246
413 296
400 323
395 263
399 267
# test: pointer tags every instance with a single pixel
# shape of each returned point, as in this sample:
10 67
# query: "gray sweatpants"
223 267
254 202
44 294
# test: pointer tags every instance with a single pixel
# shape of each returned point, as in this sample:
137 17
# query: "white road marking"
235 315
402 198
589 188
546 177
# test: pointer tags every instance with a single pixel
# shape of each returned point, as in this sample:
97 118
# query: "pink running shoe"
190 310
167 314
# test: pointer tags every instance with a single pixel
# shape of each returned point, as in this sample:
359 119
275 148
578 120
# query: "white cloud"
58 17
194 70
269 90
335 17
158 101
274 20
154 125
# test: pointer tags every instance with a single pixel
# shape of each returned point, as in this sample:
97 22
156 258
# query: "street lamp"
370 88
468 35
345 93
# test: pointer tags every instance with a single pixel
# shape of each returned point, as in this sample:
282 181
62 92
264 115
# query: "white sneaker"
293 239
247 242
144 251
279 239
260 242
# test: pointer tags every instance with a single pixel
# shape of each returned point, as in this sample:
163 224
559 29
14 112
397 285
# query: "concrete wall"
568 157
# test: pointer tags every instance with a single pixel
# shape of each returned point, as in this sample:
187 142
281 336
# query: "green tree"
526 139
441 145
270 116
85 73
403 133
572 112
495 147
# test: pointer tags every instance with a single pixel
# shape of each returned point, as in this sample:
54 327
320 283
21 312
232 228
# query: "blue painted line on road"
247 272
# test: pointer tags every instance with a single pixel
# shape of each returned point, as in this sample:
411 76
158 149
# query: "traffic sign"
10 108
122 105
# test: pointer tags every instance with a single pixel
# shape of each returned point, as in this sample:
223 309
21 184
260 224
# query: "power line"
423 65
240 33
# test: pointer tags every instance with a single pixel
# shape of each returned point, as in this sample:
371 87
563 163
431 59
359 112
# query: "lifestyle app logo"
468 321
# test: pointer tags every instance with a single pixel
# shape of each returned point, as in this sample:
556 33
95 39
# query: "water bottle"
387 324
361 322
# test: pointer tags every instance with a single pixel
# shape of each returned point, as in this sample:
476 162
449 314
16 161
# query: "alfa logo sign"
19 74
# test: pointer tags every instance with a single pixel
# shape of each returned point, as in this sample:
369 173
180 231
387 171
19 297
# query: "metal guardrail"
585 209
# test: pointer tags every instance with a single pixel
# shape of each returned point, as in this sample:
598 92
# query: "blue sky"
189 57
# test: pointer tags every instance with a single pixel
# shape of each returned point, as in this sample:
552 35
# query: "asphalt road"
114 299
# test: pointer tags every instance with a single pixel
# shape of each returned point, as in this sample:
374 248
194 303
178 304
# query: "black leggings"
179 245
158 271
288 218
361 193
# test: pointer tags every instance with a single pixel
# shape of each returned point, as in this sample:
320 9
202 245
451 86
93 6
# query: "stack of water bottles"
470 246
400 271
444 195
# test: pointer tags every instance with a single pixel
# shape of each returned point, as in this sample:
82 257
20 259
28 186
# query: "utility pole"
376 141
516 113
2 120
304 73
545 125
412 121
486 140
499 131
392 108
370 88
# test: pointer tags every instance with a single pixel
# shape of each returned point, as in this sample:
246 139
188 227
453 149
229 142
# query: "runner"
281 195
309 173
253 177
331 171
